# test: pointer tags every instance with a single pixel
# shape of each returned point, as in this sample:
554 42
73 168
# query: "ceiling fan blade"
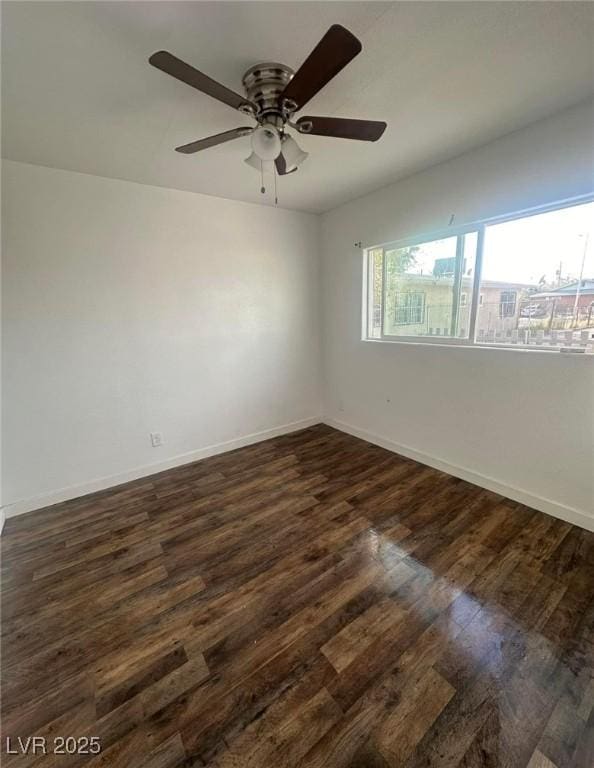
281 166
212 141
342 128
331 54
177 68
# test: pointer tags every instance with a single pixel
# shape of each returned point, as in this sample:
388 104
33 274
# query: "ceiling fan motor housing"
264 84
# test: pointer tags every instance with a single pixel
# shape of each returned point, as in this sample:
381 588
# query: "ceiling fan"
274 93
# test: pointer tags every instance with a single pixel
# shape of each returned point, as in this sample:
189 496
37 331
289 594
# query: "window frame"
479 227
458 233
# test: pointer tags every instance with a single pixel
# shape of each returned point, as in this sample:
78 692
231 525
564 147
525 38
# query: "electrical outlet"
156 439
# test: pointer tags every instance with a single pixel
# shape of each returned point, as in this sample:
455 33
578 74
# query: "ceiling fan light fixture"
262 166
292 153
254 161
266 142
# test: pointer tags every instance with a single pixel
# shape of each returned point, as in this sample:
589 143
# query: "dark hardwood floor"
310 601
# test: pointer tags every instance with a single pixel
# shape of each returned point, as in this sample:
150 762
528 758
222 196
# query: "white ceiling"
78 93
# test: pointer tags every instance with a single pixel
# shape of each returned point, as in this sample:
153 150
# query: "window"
416 290
410 308
523 281
507 304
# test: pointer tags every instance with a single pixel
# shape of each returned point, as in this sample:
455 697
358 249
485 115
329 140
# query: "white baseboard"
100 484
548 506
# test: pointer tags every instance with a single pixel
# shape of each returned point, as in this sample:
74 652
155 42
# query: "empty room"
297 384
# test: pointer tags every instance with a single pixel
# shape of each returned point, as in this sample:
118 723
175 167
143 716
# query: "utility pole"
552 317
579 285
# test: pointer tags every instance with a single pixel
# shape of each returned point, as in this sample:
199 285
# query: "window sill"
488 347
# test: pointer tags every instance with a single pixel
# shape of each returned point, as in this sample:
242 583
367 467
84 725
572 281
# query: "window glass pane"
429 288
374 298
538 280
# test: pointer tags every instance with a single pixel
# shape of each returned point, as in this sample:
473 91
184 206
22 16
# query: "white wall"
130 309
518 422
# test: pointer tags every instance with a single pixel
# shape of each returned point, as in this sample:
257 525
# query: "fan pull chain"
275 192
262 187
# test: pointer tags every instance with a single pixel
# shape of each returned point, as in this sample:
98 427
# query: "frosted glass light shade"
266 166
292 153
254 161
266 143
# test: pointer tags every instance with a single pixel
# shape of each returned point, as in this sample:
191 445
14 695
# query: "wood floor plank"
538 760
169 754
313 601
284 743
357 636
419 707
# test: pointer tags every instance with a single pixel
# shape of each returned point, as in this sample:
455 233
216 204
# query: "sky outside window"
529 249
